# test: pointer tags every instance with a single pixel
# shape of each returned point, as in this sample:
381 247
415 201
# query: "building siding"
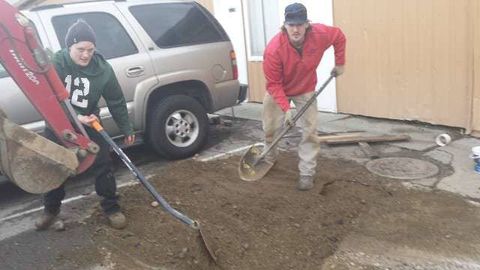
408 59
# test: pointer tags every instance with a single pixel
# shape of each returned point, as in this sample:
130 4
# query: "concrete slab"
347 152
325 117
464 180
423 137
244 110
422 183
441 155
253 111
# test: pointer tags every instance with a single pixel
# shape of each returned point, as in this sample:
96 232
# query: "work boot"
305 182
45 221
117 220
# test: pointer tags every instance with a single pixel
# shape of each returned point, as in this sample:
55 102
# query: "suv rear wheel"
178 127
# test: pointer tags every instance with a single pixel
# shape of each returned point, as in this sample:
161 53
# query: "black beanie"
79 31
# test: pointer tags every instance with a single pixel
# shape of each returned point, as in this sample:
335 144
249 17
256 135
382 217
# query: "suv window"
111 38
177 24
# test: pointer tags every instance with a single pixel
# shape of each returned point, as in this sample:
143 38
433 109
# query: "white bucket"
476 152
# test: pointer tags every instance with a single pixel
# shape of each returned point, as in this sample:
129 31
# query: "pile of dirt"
351 217
266 224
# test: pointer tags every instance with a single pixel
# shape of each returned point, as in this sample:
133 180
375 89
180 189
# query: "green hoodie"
87 84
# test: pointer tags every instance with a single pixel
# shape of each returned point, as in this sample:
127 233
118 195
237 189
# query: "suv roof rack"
51 6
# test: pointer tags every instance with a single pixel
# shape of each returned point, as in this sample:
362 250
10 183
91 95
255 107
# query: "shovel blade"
250 167
32 162
206 246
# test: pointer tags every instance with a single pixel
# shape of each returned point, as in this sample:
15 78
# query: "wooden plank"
381 138
324 138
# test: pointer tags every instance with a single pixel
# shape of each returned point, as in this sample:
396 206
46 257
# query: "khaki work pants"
273 118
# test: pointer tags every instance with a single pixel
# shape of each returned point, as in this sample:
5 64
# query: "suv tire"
178 127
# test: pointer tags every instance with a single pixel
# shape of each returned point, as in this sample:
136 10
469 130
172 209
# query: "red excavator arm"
27 63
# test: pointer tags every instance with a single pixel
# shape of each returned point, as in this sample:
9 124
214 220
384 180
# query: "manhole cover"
402 168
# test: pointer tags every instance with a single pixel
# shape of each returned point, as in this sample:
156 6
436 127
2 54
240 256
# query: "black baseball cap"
295 13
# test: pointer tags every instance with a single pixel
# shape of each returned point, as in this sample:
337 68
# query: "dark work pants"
105 184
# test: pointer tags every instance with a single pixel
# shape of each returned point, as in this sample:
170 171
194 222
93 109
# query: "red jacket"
290 74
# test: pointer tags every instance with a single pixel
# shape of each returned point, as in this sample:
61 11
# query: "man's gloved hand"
129 140
288 118
337 71
87 119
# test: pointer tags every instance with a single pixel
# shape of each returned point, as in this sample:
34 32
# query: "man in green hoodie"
88 77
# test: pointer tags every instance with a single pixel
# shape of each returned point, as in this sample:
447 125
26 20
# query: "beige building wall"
409 59
476 81
207 4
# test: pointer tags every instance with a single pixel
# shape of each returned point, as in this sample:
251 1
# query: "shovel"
178 215
252 165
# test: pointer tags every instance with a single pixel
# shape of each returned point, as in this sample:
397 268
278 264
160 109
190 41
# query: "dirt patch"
268 224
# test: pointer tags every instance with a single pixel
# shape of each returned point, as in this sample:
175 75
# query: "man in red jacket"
290 62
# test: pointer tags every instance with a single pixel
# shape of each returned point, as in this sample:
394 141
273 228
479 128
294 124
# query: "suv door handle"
135 71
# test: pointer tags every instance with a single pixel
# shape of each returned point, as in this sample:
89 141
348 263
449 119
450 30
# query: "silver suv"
173 60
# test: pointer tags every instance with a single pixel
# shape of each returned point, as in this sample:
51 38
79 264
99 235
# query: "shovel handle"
295 119
134 170
96 125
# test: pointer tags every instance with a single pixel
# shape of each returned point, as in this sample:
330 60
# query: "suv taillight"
233 58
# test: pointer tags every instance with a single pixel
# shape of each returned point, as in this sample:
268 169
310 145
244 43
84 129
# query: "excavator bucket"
32 162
